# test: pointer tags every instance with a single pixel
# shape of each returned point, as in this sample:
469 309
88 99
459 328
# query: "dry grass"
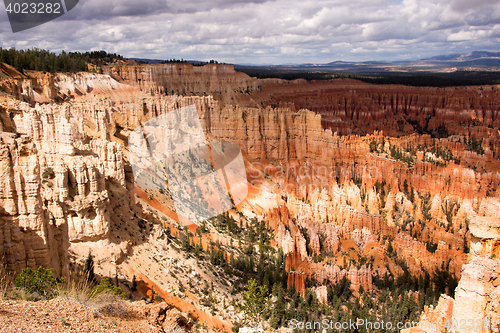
78 289
75 289
6 283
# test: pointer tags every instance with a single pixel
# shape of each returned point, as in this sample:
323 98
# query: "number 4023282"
34 8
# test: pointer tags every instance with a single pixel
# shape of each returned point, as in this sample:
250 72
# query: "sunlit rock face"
54 185
221 81
477 295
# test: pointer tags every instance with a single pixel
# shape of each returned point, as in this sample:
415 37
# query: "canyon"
350 178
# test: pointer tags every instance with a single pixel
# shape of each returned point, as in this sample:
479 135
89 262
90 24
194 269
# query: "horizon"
262 32
266 64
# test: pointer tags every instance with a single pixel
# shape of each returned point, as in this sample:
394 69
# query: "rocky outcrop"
167 317
65 315
417 256
297 279
478 296
221 81
32 87
485 235
54 191
361 277
438 319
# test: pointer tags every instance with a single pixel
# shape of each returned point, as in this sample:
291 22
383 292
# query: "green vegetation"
475 145
41 283
134 283
450 207
253 272
265 73
408 154
458 78
445 154
380 188
89 268
256 303
394 299
48 173
106 287
374 146
430 79
442 153
426 206
431 246
409 192
400 155
43 60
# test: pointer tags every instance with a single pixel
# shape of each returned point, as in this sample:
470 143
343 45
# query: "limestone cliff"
54 185
221 81
31 87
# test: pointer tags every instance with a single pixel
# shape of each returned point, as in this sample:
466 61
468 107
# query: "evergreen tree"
256 303
89 268
134 283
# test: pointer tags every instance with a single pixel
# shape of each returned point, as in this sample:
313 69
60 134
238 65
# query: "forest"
399 298
45 61
430 79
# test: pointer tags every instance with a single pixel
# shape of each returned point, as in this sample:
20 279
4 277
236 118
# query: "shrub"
40 283
48 173
106 287
474 145
373 146
426 206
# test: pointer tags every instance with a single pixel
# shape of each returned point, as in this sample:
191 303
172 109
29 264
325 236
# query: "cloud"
278 31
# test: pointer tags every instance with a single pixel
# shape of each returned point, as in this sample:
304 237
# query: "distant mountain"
466 57
366 63
453 56
474 61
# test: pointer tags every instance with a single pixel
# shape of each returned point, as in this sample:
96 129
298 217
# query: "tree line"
42 60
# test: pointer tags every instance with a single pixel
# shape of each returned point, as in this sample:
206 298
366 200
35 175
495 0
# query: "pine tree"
89 269
390 249
278 312
134 283
256 303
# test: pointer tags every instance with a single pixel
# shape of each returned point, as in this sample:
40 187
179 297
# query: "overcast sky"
268 32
